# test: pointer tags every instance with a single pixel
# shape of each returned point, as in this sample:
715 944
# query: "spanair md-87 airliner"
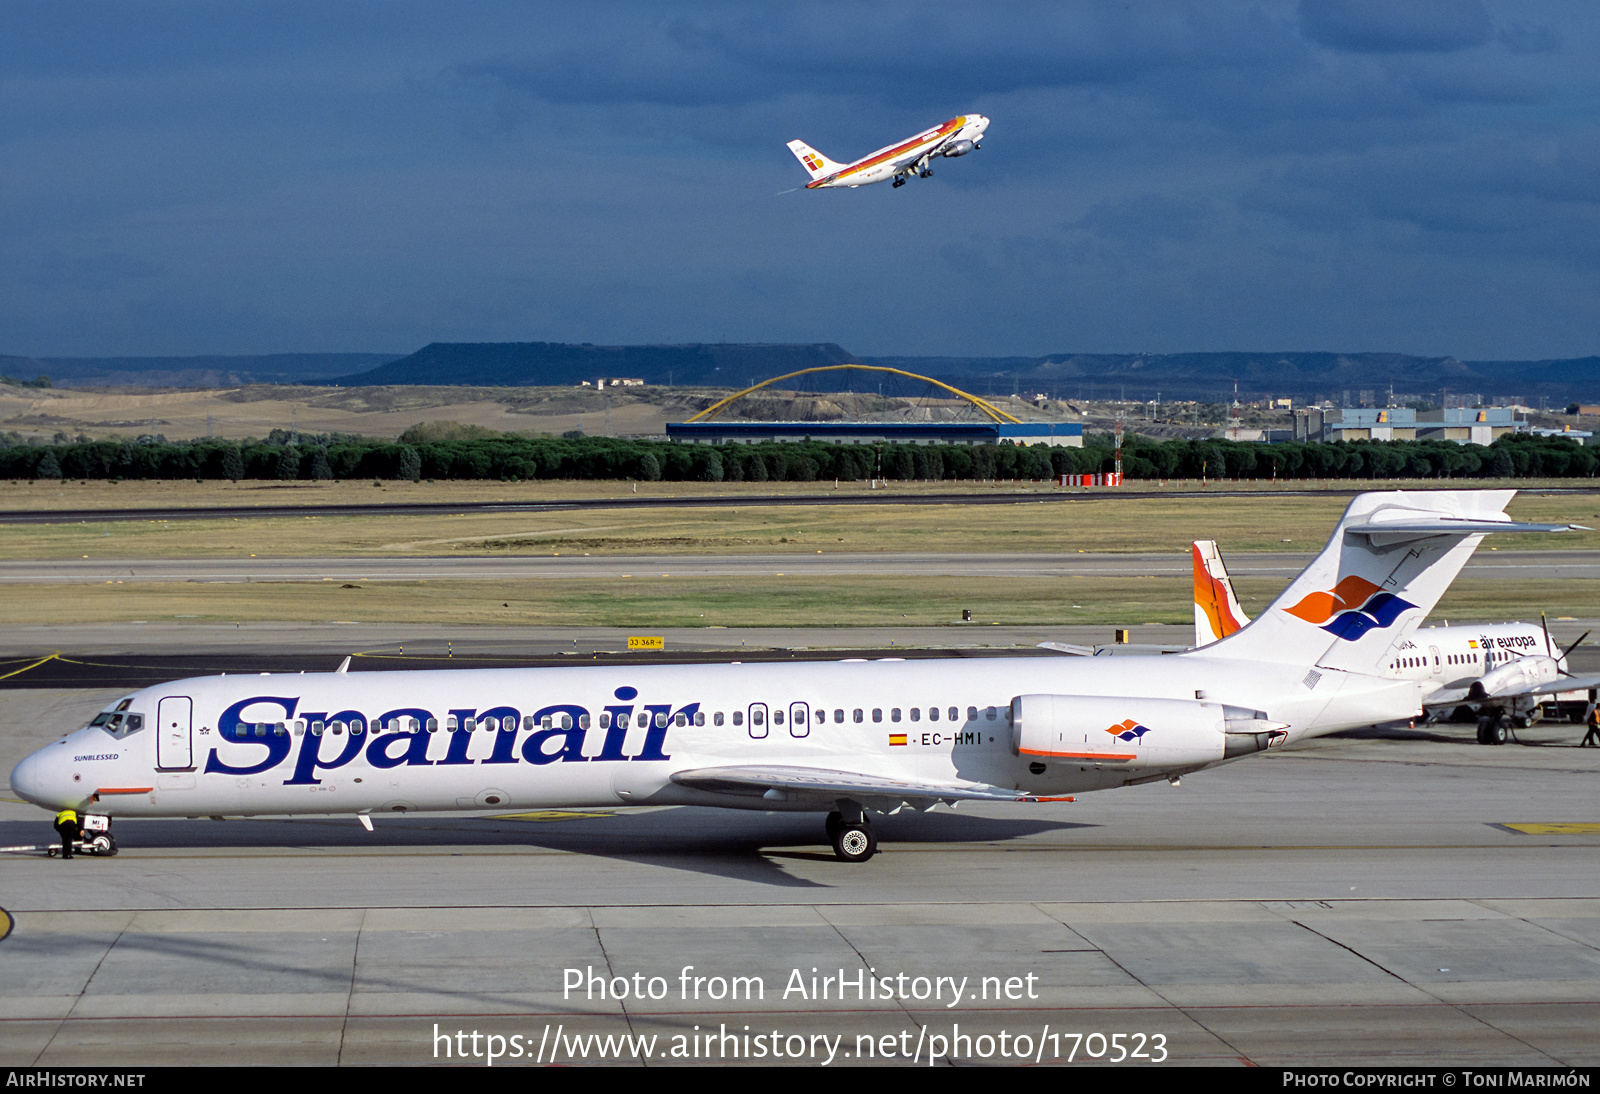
899 161
847 738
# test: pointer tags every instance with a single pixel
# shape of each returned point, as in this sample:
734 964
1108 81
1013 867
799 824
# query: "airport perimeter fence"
513 458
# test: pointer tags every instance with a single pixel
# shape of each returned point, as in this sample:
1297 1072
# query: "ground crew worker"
1594 728
67 826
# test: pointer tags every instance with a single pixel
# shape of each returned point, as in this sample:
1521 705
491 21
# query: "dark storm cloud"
1388 26
201 177
888 53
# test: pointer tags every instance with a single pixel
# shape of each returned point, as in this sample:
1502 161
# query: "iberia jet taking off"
846 738
1506 671
956 137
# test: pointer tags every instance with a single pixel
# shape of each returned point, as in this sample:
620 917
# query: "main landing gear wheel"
1492 730
854 843
831 825
897 183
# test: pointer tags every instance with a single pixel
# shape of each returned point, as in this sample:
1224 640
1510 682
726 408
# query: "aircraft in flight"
899 161
847 738
1505 671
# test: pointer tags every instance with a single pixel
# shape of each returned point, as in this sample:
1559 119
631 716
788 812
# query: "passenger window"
699 718
972 714
756 717
643 719
716 719
933 714
738 717
838 717
680 720
777 717
856 715
877 714
955 714
990 714
894 714
916 714
433 725
605 720
358 726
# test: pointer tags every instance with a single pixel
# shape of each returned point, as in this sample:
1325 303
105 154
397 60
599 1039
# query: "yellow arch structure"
994 412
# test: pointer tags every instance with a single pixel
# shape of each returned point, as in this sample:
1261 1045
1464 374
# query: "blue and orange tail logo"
1127 730
1355 606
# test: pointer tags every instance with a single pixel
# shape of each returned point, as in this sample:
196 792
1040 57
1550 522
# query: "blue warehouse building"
970 433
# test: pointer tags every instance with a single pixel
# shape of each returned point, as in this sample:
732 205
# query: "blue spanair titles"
555 733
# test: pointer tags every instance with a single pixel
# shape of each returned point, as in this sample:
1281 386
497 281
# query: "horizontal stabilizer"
1403 527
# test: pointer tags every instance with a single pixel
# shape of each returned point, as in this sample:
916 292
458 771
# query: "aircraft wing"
1457 696
781 783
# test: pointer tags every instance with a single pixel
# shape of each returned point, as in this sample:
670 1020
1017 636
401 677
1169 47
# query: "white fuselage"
597 736
905 156
1447 660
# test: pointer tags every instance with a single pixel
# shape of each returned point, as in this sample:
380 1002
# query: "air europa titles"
264 731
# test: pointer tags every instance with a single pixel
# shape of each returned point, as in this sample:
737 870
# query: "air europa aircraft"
956 137
847 738
1504 671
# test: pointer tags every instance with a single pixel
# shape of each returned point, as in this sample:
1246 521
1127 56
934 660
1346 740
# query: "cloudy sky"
1419 176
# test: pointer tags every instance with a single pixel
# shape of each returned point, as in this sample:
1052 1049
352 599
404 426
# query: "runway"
1558 565
1396 897
1029 493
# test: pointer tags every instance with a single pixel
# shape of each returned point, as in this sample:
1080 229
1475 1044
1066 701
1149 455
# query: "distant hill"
531 364
209 371
1176 376
1205 376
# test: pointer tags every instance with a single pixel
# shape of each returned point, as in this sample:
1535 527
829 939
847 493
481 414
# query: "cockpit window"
120 725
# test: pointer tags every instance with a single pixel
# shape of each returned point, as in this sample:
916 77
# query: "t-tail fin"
1216 610
816 164
1388 562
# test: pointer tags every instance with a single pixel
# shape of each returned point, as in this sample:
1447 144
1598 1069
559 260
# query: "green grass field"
699 602
1093 522
1083 522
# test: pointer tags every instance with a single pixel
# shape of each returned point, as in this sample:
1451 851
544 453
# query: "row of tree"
514 458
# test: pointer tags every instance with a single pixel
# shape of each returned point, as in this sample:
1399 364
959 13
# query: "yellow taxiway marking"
549 815
1574 829
25 668
6 923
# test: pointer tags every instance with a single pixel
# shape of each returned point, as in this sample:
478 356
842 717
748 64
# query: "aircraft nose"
27 780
